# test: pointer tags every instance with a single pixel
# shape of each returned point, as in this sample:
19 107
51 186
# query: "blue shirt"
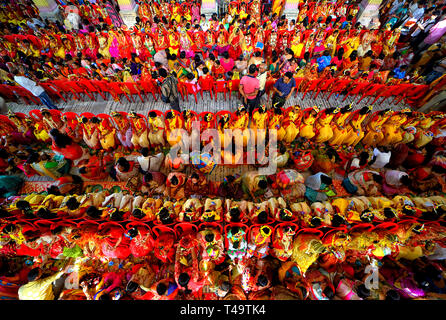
285 88
323 62
399 74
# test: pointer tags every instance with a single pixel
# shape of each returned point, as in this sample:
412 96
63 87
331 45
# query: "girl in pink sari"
195 13
114 47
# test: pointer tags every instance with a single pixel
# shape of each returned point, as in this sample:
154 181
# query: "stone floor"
206 104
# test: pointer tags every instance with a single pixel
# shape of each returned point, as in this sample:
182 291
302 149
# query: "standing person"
169 89
34 88
283 89
249 88
435 34
262 76
39 288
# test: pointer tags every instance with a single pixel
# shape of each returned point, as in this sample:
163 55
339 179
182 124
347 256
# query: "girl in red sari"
115 244
141 243
64 145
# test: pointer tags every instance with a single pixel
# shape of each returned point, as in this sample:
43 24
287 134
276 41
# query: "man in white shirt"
149 163
262 76
203 23
34 88
380 159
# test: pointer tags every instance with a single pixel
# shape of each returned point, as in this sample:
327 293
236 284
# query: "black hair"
44 213
289 74
72 203
337 221
22 205
174 180
195 176
262 217
137 213
162 72
315 222
83 170
364 110
283 215
362 291
33 274
377 178
363 157
124 163
433 272
190 76
235 214
263 184
4 213
262 281
116 215
230 178
226 286
326 179
225 55
60 139
145 151
252 68
105 296
133 232
389 213
365 217
93 212
328 291
209 237
148 177
161 289
53 190
405 180
392 295
131 286
183 279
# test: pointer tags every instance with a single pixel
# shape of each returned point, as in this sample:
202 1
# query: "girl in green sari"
44 165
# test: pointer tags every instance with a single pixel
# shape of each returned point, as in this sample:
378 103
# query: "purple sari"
126 140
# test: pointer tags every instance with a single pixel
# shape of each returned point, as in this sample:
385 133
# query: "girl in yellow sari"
107 135
296 44
423 135
331 42
324 132
277 7
173 121
241 121
139 127
291 122
410 128
90 132
57 47
156 129
306 129
351 44
392 129
339 130
275 122
176 13
354 130
104 45
374 134
259 122
224 123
